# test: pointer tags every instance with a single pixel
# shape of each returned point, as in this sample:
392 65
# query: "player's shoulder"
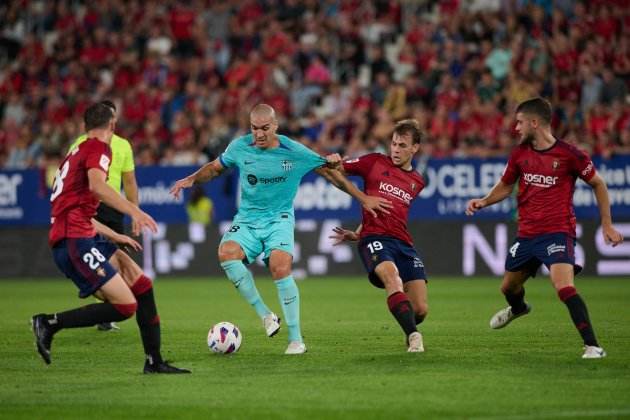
119 141
93 145
288 143
571 150
242 142
369 157
521 149
417 176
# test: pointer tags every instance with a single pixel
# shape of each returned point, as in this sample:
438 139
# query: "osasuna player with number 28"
95 265
385 244
546 170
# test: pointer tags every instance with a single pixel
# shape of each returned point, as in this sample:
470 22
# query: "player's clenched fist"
474 205
333 160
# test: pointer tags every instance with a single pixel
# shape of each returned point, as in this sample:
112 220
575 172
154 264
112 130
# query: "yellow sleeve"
77 141
128 164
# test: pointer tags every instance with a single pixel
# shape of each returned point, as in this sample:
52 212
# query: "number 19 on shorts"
375 246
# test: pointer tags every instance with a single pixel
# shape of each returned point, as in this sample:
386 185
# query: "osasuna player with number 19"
546 170
95 265
385 244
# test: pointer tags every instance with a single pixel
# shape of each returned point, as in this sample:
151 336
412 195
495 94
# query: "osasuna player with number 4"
385 244
546 170
94 264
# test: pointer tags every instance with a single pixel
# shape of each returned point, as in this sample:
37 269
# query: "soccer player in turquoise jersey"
271 167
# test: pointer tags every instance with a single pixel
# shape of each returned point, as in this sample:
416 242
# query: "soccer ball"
224 338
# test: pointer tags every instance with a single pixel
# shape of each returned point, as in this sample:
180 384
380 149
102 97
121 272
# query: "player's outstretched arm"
109 196
499 192
370 203
204 174
116 237
611 235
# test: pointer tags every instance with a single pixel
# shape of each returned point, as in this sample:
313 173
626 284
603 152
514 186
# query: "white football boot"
593 352
505 316
271 322
415 343
296 347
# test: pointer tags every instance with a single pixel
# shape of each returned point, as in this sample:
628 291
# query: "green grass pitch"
356 366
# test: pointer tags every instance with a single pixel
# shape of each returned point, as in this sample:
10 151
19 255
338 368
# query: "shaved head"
263 111
264 125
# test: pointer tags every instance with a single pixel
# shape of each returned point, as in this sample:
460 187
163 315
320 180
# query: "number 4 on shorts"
513 249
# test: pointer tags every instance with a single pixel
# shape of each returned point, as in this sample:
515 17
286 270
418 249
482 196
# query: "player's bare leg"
147 316
514 292
231 257
120 304
562 278
280 263
416 291
399 304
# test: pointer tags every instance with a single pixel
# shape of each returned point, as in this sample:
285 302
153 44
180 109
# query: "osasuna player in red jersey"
546 170
94 264
385 245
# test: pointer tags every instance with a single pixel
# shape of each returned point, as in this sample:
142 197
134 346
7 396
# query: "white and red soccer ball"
224 338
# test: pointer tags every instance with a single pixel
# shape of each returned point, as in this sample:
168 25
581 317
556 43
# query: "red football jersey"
546 184
73 204
384 179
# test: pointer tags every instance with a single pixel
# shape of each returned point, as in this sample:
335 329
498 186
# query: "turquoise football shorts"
256 240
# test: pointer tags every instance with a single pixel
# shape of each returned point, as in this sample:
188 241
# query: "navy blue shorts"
376 249
528 254
86 262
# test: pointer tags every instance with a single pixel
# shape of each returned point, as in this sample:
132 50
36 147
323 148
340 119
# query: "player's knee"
421 310
508 288
280 271
227 253
392 282
126 310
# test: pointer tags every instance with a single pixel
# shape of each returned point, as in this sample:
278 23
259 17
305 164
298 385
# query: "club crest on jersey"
104 162
287 165
555 165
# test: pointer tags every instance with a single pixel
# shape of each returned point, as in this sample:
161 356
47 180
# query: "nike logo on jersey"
248 162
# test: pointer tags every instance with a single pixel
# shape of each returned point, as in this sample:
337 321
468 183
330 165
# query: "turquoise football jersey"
269 178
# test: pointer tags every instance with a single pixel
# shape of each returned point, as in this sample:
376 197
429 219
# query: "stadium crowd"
184 74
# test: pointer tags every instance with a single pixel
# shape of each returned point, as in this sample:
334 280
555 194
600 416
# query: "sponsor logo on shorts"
539 180
553 248
100 271
417 262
